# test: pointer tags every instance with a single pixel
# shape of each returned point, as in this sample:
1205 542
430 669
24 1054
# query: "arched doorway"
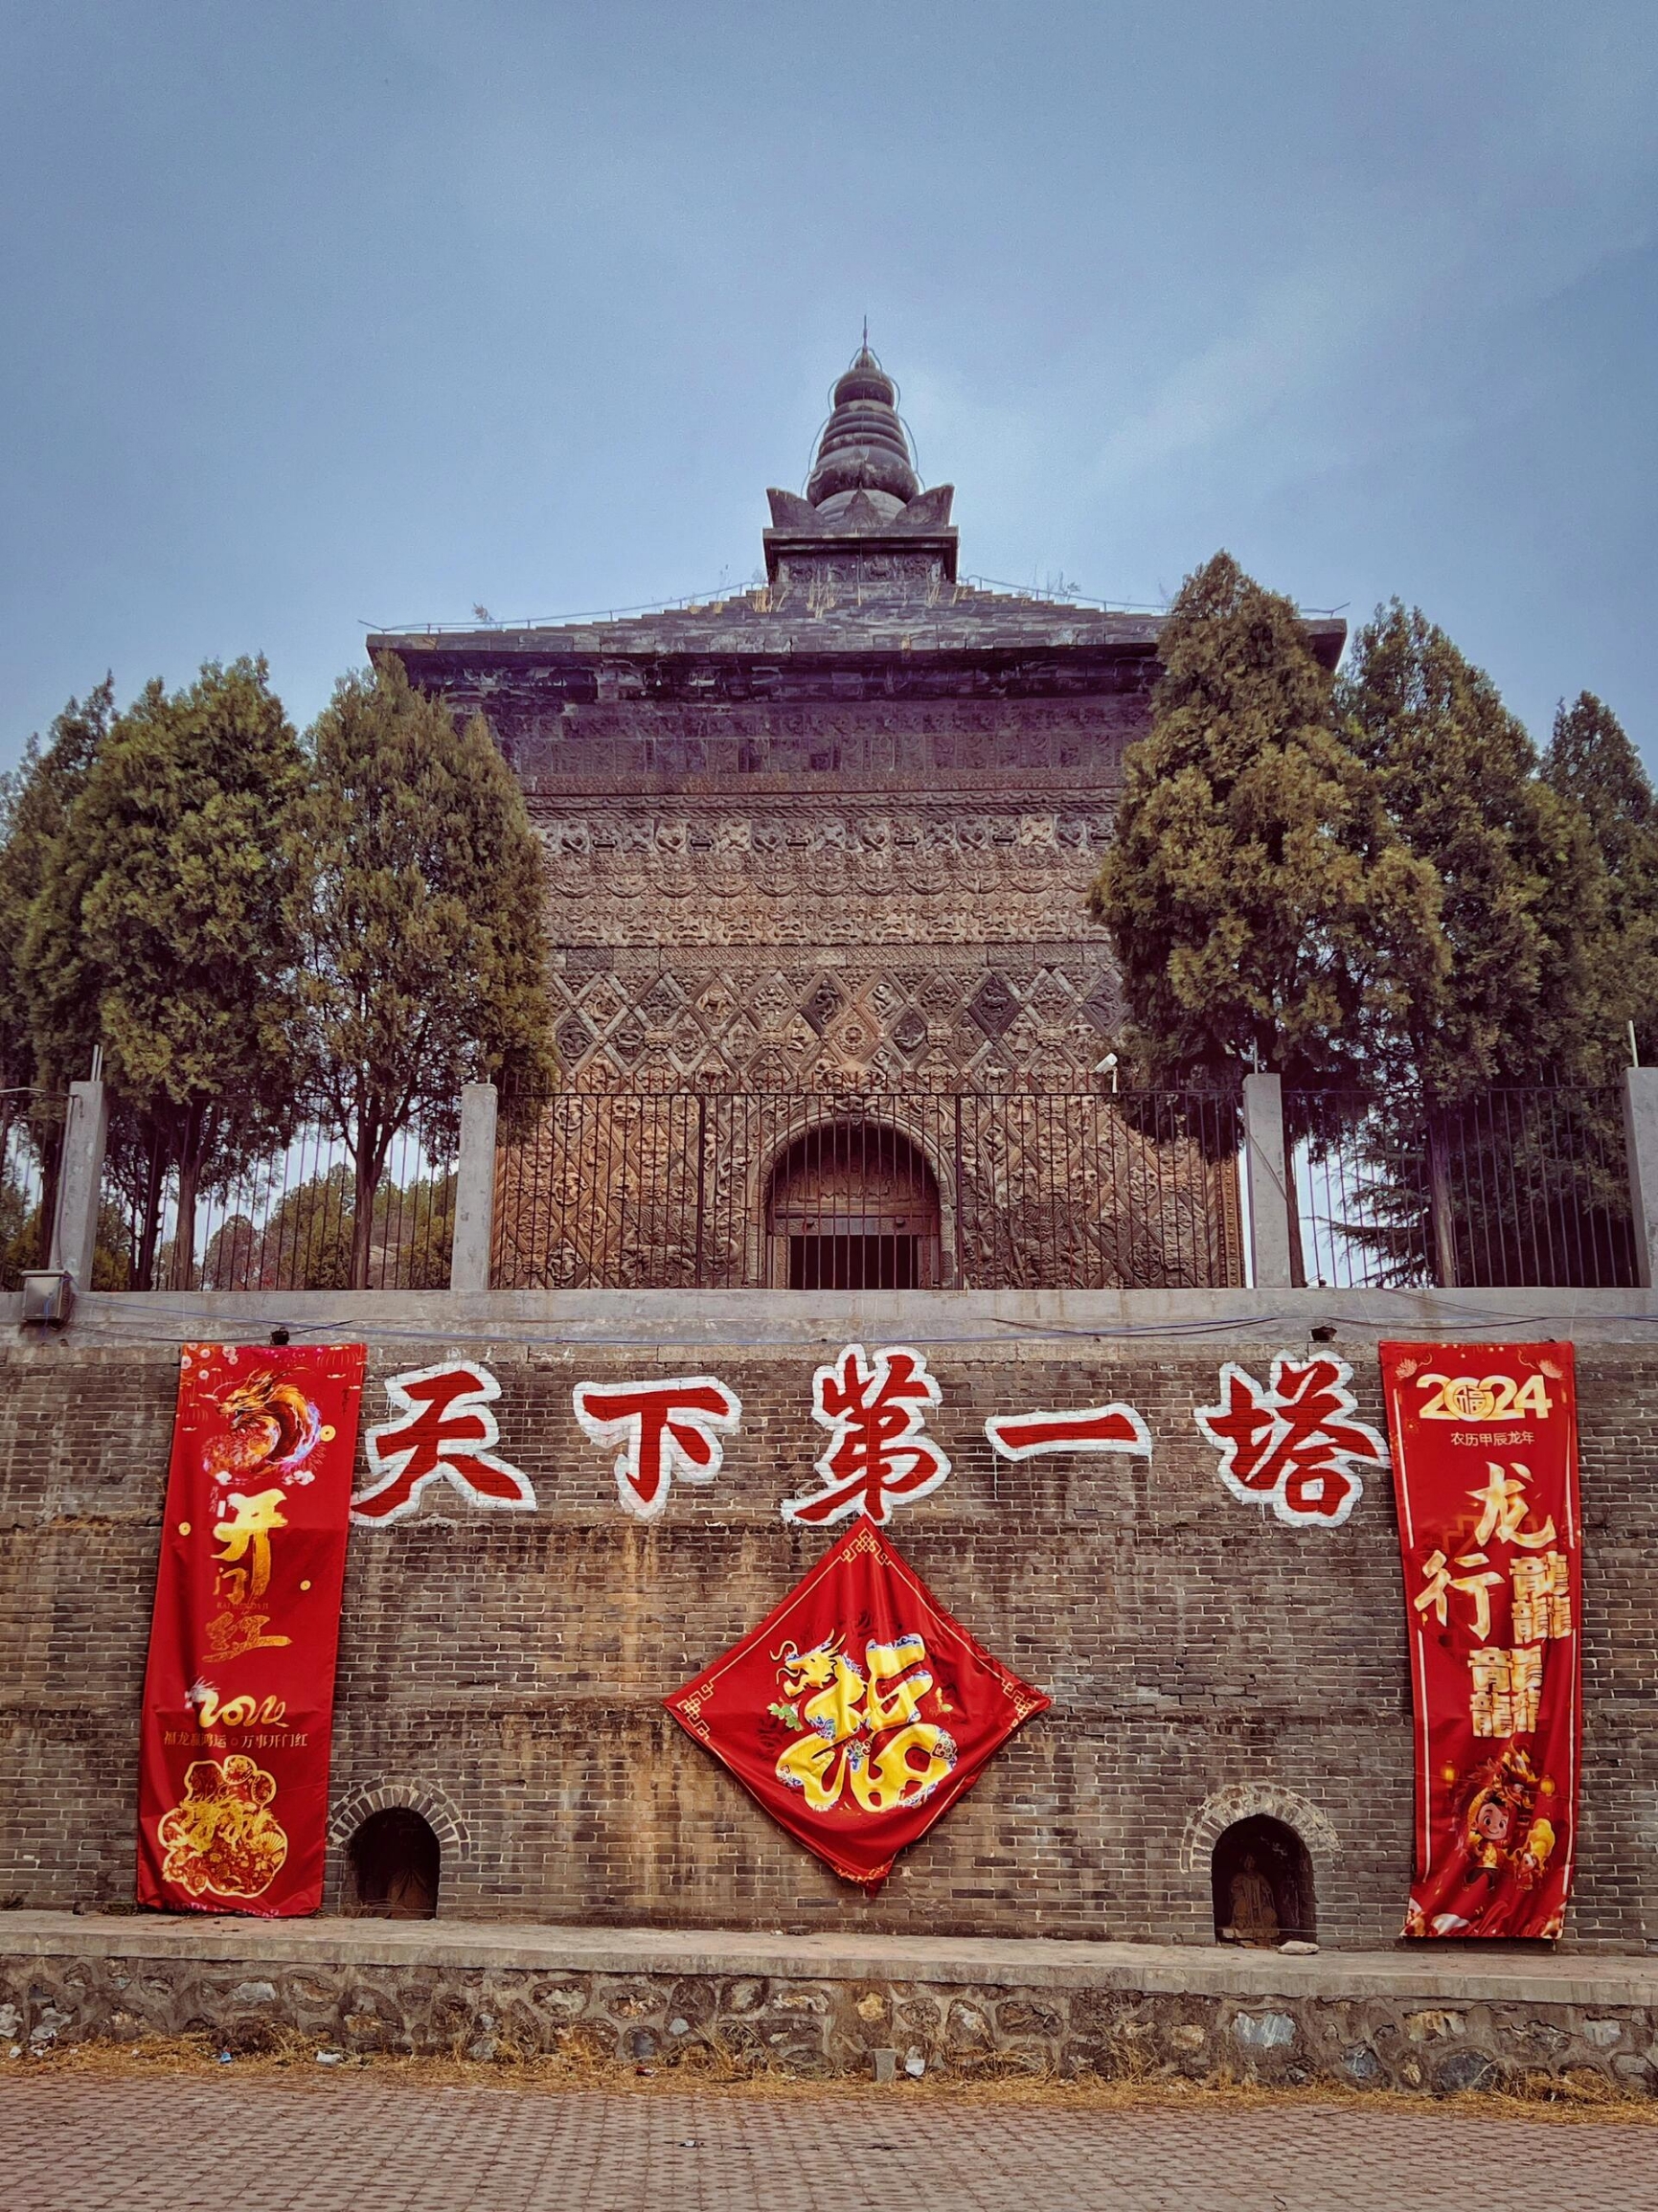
853 1206
1263 1883
395 1865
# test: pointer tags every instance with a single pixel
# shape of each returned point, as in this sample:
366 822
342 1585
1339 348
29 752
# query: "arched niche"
396 1864
1261 1876
852 1204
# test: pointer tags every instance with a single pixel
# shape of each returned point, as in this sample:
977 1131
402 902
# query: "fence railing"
31 1144
897 1190
803 1189
284 1220
1516 1188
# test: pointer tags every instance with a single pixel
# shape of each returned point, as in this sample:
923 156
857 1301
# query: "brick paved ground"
76 2143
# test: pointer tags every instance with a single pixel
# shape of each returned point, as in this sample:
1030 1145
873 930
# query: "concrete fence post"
474 1190
81 1182
1641 1140
1269 1195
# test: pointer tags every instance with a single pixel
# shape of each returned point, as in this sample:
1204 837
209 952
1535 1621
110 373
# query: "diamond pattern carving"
1051 997
688 1041
771 1001
883 999
1103 1006
602 1002
857 1017
661 1004
822 1005
910 1031
994 1005
852 1039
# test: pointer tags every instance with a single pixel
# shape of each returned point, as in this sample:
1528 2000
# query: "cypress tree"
1534 995
420 923
1591 762
35 804
1261 906
160 932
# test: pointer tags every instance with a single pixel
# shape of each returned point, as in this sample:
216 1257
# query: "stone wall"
789 2017
504 1672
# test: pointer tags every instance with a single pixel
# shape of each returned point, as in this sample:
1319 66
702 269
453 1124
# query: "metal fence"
31 1143
283 1221
1516 1188
809 1191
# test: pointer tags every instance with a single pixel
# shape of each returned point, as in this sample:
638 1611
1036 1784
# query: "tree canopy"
1261 903
34 806
420 922
161 928
1591 762
1532 994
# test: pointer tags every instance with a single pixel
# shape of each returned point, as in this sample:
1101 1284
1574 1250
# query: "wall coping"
1029 1324
1434 1977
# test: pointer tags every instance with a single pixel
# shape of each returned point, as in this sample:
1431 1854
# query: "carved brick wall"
902 926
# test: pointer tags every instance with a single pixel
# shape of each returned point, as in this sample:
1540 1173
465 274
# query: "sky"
320 318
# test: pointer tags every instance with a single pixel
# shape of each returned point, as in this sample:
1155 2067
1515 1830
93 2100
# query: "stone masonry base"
861 2007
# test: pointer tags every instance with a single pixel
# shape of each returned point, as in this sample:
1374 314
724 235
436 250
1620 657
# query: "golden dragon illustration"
862 1727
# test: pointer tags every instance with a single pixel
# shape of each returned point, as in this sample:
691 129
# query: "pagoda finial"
864 448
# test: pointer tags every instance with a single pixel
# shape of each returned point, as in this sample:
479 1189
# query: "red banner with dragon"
859 1710
1484 1452
240 1690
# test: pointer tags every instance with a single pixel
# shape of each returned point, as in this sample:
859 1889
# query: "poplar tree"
1533 993
160 932
1591 761
419 919
1261 906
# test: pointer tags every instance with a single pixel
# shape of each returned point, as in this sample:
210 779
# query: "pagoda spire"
864 446
864 515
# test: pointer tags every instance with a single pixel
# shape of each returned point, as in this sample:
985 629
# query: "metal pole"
701 1177
961 1227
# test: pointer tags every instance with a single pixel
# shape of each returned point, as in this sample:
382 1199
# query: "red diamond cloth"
859 1710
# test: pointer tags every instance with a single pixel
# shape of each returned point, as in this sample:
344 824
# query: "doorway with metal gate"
853 1205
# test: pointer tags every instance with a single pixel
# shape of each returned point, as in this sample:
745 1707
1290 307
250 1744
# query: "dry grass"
707 2070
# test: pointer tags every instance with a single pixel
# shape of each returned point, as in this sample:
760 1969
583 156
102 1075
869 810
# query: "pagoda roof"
764 621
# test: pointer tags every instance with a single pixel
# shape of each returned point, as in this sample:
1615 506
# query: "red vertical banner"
239 1694
1484 1452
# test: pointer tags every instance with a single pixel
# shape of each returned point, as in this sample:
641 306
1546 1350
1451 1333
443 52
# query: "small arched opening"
1262 1880
853 1205
395 1862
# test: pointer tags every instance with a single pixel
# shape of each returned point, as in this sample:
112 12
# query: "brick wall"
504 1671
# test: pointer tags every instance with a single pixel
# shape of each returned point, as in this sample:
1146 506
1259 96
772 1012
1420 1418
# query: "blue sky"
325 315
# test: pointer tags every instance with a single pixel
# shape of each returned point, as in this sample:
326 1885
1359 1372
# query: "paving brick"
73 2144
